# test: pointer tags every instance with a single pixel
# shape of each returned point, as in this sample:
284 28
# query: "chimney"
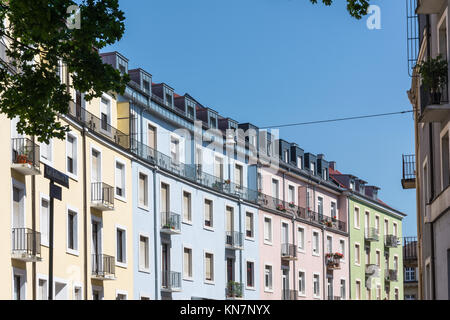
332 165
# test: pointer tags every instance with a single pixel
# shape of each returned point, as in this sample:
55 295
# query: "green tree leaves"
36 39
356 8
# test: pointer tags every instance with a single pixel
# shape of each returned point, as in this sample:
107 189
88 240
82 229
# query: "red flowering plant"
280 207
338 255
292 204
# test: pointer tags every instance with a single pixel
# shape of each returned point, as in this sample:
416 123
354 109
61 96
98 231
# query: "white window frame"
125 251
270 288
313 232
252 238
45 241
354 252
344 253
302 248
45 278
209 228
121 292
357 225
253 288
51 151
301 293
189 222
268 242
316 296
211 282
187 278
75 286
144 235
74 175
76 251
124 178
143 206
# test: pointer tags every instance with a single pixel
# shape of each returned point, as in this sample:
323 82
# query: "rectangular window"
301 283
121 296
299 162
77 293
410 274
144 262
45 220
343 294
143 190
386 227
316 284
71 154
396 294
342 247
313 168
250 274
333 210
105 115
394 228
268 229
238 176
301 238
357 218
275 189
286 156
378 292
358 290
357 254
315 243
218 168
175 150
249 225
72 230
378 258
445 160
42 290
329 244
187 263
187 213
120 179
46 151
320 205
208 213
209 267
291 195
268 278
121 246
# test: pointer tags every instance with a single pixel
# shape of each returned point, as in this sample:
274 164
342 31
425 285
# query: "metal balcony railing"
391 275
234 239
171 280
288 251
26 244
102 195
371 234
428 98
25 152
170 222
103 266
409 172
287 294
234 290
410 248
333 261
97 125
391 241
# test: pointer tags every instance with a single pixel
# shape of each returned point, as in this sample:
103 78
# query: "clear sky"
272 62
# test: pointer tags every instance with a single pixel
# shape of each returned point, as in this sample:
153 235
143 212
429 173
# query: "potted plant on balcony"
433 73
292 204
280 207
338 256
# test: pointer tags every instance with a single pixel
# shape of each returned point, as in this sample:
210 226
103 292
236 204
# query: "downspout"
33 224
155 232
240 251
349 250
85 220
323 263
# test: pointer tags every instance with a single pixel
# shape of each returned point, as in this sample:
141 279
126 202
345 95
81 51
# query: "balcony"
391 241
288 252
171 281
410 249
287 294
372 270
102 196
333 260
429 6
234 291
103 267
25 157
170 223
26 245
409 172
371 234
234 240
391 275
435 107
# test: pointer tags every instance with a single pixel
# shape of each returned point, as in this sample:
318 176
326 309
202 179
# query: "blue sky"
272 62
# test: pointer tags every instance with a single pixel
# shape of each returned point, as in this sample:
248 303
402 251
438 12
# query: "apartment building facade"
428 170
376 259
303 220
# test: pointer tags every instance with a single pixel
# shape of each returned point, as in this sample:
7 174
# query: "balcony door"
285 283
18 214
165 201
284 234
230 220
151 137
330 288
230 270
366 224
96 167
165 266
97 245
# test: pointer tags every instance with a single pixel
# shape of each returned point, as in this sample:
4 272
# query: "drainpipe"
33 225
323 263
155 233
240 251
348 252
85 220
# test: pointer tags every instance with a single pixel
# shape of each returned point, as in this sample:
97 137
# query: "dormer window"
212 122
325 174
352 185
146 86
252 140
299 162
313 168
190 112
286 155
269 147
169 101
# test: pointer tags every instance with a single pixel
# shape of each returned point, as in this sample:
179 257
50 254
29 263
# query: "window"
396 263
208 213
45 220
121 246
313 168
342 247
286 156
187 213
329 244
42 289
146 85
378 258
77 293
325 174
357 218
445 160
378 292
343 294
410 274
218 168
249 233
105 115
368 294
394 228
299 162
275 189
386 227
72 231
301 283
144 263
301 238
187 263
71 152
367 251
46 152
358 290
396 293
96 166
320 206
238 178
291 194
308 199
267 230
377 224
315 243
120 179
333 210
175 150
143 190
250 274
386 260
268 278
209 267
357 254
190 112
168 99
316 285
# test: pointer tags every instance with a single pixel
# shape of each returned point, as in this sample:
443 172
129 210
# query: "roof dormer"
115 59
164 92
311 163
297 156
186 105
142 78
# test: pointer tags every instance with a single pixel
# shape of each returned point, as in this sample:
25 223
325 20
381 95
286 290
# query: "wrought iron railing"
409 167
234 239
391 275
102 193
371 234
171 280
288 250
170 221
391 241
26 241
428 98
234 290
103 265
410 248
25 151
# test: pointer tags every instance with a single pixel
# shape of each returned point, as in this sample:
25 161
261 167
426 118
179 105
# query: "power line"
338 119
